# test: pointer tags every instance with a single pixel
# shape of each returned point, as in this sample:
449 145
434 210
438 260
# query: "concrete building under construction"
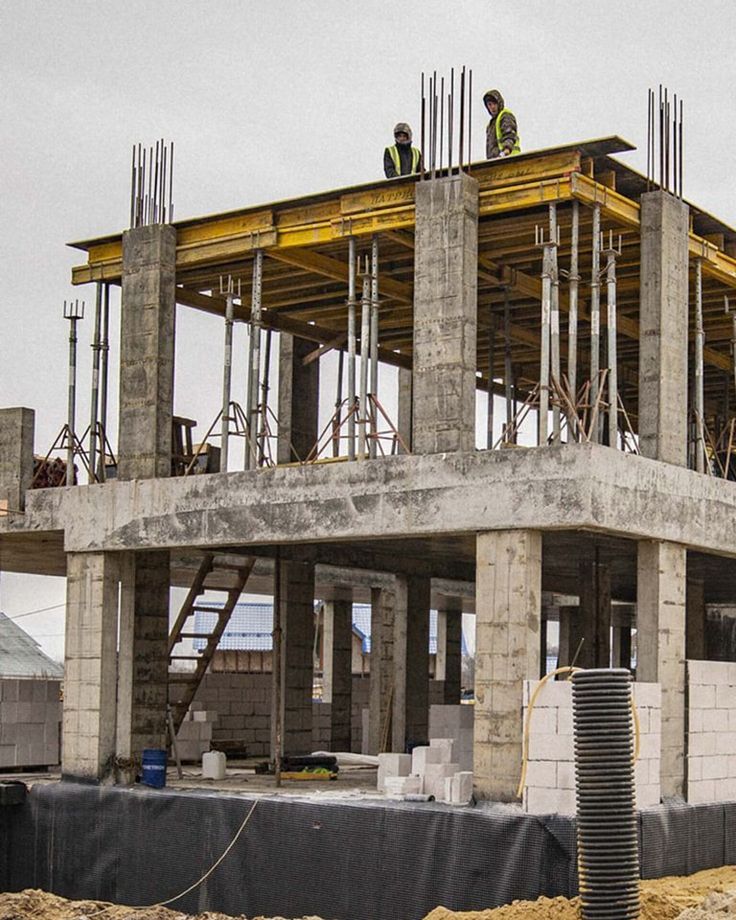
572 310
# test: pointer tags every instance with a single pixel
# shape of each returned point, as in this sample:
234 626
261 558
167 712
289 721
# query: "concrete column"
449 648
663 336
90 667
338 666
147 352
383 603
143 658
445 315
508 606
297 662
661 580
695 619
16 457
298 399
411 662
594 616
566 648
403 424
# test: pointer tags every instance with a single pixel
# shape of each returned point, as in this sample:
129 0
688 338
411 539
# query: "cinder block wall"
711 731
30 718
243 706
550 778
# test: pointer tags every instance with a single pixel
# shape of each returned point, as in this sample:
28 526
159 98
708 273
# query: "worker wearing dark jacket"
401 159
502 134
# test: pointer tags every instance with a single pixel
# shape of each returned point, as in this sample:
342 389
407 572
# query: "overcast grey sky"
270 99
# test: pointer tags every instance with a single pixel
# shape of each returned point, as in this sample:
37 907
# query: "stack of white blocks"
195 733
426 771
550 777
30 713
711 747
456 722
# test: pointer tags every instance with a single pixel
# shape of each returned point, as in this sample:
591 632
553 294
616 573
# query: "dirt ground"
708 895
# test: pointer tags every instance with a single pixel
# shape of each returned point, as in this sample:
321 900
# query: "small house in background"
30 700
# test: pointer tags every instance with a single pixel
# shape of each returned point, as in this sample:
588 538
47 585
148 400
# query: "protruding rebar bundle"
351 348
664 142
95 396
595 313
151 195
699 396
73 312
438 123
227 287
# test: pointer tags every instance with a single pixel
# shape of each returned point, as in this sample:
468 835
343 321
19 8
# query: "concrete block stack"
243 706
550 777
30 716
456 722
428 770
195 733
711 731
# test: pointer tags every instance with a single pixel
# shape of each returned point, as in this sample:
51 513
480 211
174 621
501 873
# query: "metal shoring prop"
595 313
507 368
699 397
544 357
611 254
337 424
263 407
733 335
255 367
572 320
73 312
228 289
105 356
373 445
554 235
491 375
351 346
365 348
95 396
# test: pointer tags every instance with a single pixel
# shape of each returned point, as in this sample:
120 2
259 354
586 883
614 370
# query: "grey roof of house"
21 655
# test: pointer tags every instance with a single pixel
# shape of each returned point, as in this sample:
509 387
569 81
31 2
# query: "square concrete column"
411 662
90 666
383 601
337 686
593 623
508 609
16 457
695 619
663 333
565 649
448 666
147 352
297 658
143 685
404 423
661 577
298 399
445 315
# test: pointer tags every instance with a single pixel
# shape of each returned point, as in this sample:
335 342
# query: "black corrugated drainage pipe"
608 851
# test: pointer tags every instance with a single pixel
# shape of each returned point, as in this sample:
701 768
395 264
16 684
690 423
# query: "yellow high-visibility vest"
517 145
415 156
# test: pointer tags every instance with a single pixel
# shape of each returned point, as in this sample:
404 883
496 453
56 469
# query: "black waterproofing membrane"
339 860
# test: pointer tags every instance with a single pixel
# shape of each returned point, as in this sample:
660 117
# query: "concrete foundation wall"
550 777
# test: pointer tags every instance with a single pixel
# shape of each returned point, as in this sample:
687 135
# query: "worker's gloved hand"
505 153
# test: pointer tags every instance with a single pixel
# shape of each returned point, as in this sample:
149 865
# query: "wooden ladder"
236 571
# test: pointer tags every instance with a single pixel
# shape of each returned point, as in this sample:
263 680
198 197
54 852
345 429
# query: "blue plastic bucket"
154 768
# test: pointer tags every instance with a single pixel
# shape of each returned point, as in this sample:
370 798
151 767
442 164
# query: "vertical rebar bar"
460 159
595 313
612 347
554 319
442 121
543 425
421 148
572 322
351 348
104 372
365 324
491 375
699 346
373 447
229 292
470 117
95 395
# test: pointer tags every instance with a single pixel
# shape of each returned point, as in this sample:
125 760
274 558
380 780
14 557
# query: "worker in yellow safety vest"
502 133
401 159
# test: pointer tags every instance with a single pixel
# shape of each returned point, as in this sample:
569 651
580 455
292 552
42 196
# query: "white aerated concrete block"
421 757
404 785
435 775
392 765
462 788
445 745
